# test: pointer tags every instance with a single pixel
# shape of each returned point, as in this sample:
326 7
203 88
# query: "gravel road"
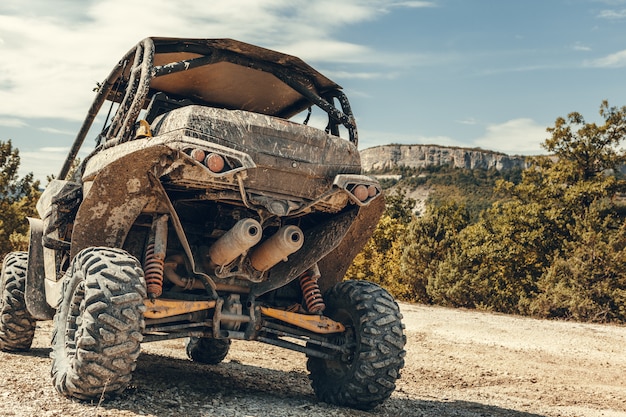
459 363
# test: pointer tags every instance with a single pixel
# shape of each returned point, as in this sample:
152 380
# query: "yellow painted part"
314 323
143 131
161 308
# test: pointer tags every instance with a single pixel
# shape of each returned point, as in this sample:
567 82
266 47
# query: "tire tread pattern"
17 326
98 326
379 351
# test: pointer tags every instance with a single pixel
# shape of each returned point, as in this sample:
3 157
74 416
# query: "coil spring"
153 270
312 294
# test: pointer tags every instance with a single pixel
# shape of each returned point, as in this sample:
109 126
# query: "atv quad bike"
206 211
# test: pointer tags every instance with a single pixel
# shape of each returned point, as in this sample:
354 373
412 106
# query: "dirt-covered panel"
334 266
117 196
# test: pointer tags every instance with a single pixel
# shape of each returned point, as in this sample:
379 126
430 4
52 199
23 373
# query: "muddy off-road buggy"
206 212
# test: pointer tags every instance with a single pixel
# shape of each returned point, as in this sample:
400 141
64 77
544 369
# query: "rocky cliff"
416 156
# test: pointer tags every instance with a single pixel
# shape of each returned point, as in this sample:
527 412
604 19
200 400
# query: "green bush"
552 243
18 197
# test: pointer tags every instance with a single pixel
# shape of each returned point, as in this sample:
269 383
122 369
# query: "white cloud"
41 162
44 161
53 53
468 121
386 6
55 149
317 50
56 131
360 75
414 4
343 12
579 46
517 136
326 50
613 14
9 122
615 60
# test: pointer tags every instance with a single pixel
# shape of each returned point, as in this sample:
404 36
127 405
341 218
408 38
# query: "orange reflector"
372 191
214 162
361 192
198 155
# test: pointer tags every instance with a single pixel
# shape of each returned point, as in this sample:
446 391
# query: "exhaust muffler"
245 234
286 241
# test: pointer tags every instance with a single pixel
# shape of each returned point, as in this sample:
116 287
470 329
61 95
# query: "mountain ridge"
386 157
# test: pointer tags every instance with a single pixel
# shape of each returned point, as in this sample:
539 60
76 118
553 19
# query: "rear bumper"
284 188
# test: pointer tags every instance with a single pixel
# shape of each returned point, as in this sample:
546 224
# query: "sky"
492 74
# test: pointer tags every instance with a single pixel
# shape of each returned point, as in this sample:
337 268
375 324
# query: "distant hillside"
440 173
387 157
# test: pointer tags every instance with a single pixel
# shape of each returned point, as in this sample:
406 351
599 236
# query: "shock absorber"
311 290
155 256
153 271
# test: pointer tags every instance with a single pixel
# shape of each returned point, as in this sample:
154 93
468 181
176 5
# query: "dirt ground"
459 363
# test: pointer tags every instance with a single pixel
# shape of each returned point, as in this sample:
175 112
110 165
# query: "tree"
400 207
553 245
427 242
18 197
379 259
587 281
586 150
498 259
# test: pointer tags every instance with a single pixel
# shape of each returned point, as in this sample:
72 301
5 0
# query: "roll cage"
164 73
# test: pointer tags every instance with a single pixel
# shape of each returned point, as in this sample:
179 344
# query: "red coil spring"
153 270
312 294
